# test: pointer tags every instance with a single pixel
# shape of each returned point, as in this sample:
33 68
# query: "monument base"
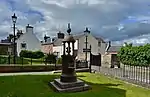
77 86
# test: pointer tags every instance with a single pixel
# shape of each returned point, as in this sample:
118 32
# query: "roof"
100 39
114 48
58 42
77 36
5 43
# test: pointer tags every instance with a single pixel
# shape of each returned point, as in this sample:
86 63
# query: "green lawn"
37 86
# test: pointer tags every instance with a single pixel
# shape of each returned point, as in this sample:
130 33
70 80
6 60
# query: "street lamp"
14 19
86 35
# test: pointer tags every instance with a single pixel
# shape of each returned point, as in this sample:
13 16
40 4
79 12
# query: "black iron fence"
8 60
135 74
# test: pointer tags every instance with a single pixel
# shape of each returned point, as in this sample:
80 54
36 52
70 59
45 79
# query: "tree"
135 55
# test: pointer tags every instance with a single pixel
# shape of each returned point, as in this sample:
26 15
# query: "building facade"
28 41
110 59
98 45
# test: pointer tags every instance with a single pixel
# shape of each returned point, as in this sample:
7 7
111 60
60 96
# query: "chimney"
29 29
60 35
53 39
108 45
46 38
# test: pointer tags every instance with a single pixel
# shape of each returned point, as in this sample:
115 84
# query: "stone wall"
106 60
7 69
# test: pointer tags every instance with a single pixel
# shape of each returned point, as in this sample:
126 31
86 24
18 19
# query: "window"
99 43
23 45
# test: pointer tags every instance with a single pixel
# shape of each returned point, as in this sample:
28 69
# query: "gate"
95 59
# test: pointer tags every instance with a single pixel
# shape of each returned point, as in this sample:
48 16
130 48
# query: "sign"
86 50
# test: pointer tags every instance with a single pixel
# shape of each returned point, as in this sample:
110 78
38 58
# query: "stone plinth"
77 86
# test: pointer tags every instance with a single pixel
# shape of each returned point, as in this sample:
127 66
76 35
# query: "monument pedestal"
76 86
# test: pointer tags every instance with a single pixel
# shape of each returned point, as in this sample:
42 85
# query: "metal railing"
136 74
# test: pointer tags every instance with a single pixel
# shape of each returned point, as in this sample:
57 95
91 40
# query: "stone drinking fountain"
68 81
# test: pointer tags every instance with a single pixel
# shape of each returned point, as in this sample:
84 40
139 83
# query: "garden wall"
8 69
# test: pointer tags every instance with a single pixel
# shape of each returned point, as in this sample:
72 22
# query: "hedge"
5 60
135 55
30 54
50 58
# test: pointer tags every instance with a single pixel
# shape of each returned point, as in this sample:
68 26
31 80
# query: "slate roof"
5 43
58 42
114 48
100 39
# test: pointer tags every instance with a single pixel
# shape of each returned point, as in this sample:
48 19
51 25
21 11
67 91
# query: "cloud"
115 20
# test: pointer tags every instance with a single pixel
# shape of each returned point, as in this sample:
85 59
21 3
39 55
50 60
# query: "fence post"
149 74
138 73
130 71
22 60
146 74
31 60
123 70
141 73
134 76
9 59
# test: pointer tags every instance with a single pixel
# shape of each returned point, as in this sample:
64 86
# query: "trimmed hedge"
135 55
30 54
5 60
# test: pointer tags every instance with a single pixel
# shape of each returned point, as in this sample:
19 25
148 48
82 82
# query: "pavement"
39 73
26 73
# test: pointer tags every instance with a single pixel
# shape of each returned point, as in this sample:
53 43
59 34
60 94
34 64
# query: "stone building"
109 59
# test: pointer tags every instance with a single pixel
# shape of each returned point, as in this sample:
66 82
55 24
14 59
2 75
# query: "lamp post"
86 35
14 19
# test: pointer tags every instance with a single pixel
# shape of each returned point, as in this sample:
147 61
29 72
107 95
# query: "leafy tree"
135 55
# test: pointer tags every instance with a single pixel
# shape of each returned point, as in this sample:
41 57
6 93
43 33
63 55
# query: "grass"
37 86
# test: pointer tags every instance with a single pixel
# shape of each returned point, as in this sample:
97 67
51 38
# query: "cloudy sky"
116 20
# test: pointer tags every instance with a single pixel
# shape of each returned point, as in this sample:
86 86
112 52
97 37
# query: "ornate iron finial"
87 30
69 29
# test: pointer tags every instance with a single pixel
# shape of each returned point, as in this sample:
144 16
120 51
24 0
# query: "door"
95 59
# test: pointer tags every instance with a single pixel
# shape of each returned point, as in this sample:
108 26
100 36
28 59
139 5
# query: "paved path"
39 73
26 73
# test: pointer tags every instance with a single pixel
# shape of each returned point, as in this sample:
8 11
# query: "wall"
102 48
106 60
7 69
94 44
31 41
6 49
47 48
58 49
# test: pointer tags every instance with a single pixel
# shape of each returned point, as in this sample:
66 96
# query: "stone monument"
68 81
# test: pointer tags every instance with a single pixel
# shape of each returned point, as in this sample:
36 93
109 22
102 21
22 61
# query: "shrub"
19 60
50 58
30 54
59 61
3 60
135 55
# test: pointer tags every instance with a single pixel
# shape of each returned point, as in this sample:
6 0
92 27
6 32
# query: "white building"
28 41
97 45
